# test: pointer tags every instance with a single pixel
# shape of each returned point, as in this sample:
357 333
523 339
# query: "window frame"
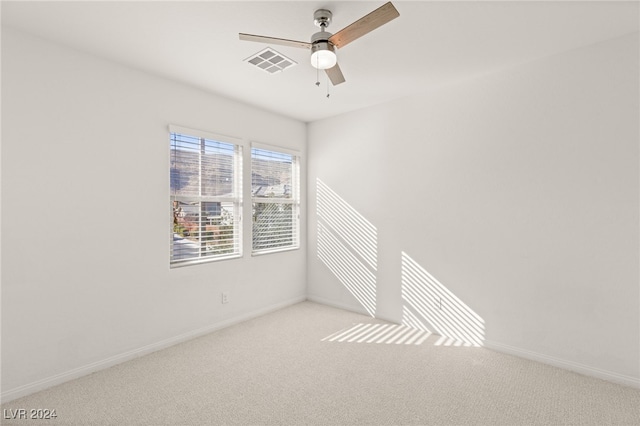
239 147
294 200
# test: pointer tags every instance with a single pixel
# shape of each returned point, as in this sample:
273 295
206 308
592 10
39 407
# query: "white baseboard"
564 364
75 373
350 308
334 304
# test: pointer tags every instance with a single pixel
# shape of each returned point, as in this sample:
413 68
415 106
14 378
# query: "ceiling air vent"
270 61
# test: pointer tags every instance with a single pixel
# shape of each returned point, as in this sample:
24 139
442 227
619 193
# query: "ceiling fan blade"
273 40
362 26
335 75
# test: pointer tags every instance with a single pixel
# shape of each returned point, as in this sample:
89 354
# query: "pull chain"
327 80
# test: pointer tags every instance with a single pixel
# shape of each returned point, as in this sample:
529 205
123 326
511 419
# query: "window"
206 197
275 181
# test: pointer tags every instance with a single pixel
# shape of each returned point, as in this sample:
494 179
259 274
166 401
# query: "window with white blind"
206 197
275 192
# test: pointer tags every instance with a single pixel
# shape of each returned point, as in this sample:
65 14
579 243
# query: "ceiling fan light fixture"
323 55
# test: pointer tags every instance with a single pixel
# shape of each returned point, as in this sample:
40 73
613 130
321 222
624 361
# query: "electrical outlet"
225 297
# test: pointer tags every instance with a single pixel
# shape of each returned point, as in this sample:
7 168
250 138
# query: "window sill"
181 264
278 250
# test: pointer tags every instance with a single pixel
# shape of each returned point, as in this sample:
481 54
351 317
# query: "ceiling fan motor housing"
320 36
322 45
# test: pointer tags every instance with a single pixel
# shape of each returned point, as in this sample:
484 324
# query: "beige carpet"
312 364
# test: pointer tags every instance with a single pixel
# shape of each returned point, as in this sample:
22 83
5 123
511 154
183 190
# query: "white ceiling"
430 44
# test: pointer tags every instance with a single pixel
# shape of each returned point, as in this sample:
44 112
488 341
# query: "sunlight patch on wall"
380 333
356 231
351 272
347 245
429 305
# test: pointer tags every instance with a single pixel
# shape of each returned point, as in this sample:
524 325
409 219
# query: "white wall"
517 191
85 220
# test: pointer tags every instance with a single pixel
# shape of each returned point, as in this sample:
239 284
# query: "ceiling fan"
323 43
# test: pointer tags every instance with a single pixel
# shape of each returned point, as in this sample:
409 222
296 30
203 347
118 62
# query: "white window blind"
275 182
206 195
